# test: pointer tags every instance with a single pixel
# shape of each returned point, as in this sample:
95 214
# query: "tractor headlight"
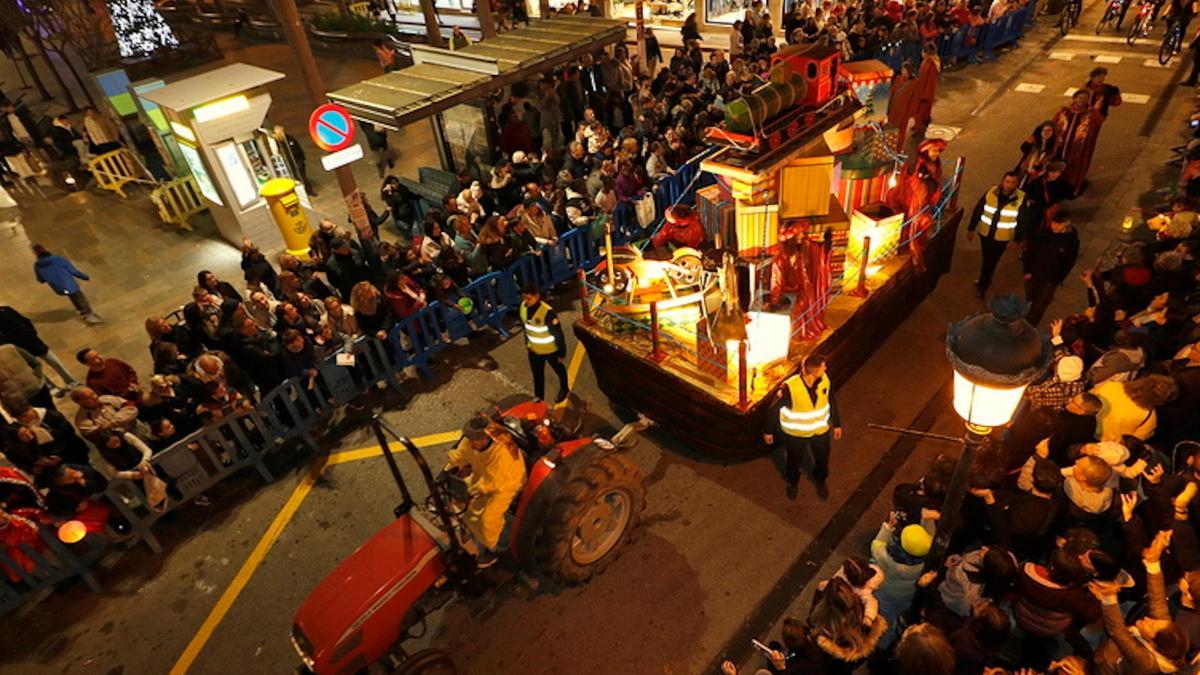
303 648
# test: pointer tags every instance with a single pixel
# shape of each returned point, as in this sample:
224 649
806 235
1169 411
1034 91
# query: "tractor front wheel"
592 519
427 662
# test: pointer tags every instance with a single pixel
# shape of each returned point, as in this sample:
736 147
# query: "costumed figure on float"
916 194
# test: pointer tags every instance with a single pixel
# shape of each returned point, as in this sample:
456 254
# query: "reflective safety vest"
1001 221
805 418
538 338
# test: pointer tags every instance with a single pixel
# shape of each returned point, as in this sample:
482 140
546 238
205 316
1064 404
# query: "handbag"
156 491
645 210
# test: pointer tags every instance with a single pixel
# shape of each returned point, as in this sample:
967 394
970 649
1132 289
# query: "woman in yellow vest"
804 417
545 342
999 220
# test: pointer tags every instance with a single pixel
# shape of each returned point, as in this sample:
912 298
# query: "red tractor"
581 501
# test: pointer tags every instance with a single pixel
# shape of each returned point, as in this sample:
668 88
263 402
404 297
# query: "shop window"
724 11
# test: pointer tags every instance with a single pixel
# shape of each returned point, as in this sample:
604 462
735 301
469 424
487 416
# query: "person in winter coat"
1129 407
17 330
864 578
21 381
1155 643
60 274
1122 362
1048 261
970 578
1050 603
901 555
836 627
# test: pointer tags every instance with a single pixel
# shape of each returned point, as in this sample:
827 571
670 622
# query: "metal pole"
915 432
585 311
952 506
608 255
640 14
860 291
656 352
293 29
487 24
743 394
959 166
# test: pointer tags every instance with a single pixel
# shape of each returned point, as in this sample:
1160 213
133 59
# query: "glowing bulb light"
72 532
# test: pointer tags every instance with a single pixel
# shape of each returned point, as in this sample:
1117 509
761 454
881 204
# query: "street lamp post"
994 356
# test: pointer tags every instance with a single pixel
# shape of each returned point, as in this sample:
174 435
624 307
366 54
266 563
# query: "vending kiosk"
218 121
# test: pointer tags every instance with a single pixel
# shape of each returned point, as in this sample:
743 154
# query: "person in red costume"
21 509
917 194
682 227
789 274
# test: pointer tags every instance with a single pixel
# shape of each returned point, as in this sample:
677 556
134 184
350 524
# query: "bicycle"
1143 25
1111 15
1070 16
1172 42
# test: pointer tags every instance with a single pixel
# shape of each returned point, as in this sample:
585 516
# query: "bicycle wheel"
1135 31
1169 47
1064 21
1075 11
1109 15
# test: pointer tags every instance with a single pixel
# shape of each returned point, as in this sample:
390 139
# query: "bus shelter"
460 91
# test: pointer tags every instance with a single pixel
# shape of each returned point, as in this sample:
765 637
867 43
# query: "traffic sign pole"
289 20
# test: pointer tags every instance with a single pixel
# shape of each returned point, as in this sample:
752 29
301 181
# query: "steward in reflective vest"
999 220
803 419
544 340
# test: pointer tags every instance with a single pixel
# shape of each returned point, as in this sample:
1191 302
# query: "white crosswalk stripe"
1104 58
1027 88
1062 56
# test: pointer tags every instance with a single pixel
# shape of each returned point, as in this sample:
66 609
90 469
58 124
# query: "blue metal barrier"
55 563
490 307
423 334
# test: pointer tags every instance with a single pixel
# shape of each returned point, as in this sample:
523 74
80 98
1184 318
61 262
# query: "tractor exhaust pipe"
622 439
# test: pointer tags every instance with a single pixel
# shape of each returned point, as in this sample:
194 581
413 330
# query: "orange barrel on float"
288 214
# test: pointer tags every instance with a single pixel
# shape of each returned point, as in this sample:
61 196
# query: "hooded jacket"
1119 415
59 273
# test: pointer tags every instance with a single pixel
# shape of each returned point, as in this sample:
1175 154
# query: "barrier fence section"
177 200
967 43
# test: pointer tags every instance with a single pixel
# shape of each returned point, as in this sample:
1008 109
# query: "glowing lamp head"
72 532
994 356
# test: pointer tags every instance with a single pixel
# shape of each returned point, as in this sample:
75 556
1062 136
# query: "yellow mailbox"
280 194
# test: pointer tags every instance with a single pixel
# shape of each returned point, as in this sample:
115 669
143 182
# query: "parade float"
803 243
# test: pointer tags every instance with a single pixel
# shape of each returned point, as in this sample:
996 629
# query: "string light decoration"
140 28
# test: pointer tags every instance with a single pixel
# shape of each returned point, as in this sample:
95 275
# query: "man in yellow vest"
545 342
804 417
999 220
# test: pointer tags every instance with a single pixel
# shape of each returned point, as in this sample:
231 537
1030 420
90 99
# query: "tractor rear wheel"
592 519
427 662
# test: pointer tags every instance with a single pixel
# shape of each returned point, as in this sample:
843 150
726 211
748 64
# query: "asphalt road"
722 553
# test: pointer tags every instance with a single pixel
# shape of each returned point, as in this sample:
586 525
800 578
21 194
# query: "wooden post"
743 394
860 291
656 352
958 174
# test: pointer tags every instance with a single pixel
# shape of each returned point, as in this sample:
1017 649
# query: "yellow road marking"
575 365
285 515
376 451
248 568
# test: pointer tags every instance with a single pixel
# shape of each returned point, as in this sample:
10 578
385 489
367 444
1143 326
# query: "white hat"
1069 369
519 157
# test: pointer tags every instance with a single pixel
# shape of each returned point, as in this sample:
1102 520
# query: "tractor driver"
492 466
